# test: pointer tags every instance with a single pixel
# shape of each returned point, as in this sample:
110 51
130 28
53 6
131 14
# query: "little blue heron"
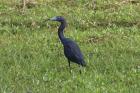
71 49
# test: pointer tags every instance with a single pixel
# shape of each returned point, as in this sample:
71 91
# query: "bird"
71 49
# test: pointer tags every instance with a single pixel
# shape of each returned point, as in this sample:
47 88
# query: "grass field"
31 55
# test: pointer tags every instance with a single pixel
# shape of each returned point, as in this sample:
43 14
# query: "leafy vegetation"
31 55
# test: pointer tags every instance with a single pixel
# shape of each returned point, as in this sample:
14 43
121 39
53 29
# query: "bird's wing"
73 50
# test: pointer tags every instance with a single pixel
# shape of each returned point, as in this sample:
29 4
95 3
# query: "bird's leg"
80 69
69 65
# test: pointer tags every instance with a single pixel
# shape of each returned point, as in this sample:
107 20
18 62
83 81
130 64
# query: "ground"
32 58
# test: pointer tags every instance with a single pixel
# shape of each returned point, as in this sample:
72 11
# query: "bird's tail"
83 63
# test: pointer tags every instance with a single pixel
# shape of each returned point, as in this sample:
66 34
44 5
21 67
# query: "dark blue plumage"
71 49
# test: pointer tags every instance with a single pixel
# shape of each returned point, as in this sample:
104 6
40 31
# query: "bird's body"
73 53
71 49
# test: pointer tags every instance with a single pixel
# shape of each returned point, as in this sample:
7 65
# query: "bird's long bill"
53 19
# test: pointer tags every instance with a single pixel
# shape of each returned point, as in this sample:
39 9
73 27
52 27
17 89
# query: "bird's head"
57 18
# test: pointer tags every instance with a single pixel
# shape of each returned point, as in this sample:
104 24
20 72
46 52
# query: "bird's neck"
61 31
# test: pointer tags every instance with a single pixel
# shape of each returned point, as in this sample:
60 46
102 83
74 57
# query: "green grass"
31 55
